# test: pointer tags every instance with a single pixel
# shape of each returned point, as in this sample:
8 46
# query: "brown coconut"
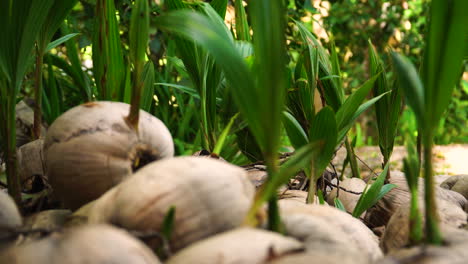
396 233
322 257
242 245
91 148
322 227
457 183
348 199
10 219
453 251
380 214
209 196
97 244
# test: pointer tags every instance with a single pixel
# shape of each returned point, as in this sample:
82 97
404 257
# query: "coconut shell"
453 251
209 196
243 245
98 244
380 214
348 199
91 148
396 233
342 229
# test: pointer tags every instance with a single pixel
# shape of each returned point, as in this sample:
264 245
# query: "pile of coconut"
126 199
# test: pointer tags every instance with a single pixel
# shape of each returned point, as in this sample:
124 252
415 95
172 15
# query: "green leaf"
59 41
148 86
372 194
222 138
108 61
242 25
220 6
324 129
349 107
363 107
320 196
168 223
339 205
412 86
446 44
295 132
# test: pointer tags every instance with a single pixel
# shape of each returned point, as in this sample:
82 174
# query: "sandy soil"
448 160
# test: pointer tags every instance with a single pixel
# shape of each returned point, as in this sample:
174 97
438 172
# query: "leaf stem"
433 235
38 94
14 186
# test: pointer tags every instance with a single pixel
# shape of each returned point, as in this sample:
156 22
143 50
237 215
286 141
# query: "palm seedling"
94 146
388 109
429 92
20 21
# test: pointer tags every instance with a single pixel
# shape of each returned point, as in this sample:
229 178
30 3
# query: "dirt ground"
448 160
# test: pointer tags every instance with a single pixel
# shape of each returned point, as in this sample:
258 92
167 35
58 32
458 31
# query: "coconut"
25 123
98 244
348 199
380 214
457 183
396 233
325 228
10 219
453 251
242 245
91 148
209 196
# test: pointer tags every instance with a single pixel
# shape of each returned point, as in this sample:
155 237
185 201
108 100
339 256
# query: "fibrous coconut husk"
380 214
242 245
31 160
209 197
25 123
322 227
97 244
396 233
91 148
10 219
454 251
457 183
349 199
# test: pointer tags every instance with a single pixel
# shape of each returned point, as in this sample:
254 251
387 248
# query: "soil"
448 159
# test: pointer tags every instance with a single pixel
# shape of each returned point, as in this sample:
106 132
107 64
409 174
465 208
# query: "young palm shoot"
94 146
388 109
20 23
428 94
412 169
57 14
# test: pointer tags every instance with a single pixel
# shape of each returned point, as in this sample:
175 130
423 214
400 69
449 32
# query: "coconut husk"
242 245
453 251
91 148
457 183
97 244
209 196
396 233
10 219
349 199
31 160
25 123
322 227
323 257
380 214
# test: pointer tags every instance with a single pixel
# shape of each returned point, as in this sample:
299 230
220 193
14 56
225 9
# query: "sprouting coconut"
242 245
209 197
89 244
325 228
92 147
